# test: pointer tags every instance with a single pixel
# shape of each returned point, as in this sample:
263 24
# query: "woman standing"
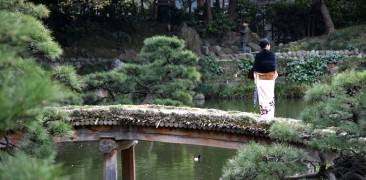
265 75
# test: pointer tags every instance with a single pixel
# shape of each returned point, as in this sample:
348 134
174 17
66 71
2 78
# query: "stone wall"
302 54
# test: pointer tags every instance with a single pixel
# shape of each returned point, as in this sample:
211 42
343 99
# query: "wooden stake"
128 163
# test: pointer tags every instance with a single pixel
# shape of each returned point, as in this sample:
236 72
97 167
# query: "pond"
164 161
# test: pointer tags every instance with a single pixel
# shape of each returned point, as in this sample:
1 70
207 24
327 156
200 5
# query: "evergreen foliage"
21 167
115 82
167 70
25 89
289 132
165 73
28 36
334 119
264 162
66 75
209 66
340 104
24 7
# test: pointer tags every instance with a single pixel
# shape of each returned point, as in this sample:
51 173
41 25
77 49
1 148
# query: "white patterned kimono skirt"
265 83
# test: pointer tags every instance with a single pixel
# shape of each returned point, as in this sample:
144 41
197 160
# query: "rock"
77 65
254 46
128 54
199 96
332 69
227 50
299 54
191 38
116 63
205 50
235 48
206 43
101 93
254 37
312 52
230 39
218 51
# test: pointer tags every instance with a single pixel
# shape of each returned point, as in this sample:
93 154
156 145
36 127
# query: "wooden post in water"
128 160
109 148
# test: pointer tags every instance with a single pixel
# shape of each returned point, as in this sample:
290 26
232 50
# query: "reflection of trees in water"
154 161
81 160
163 161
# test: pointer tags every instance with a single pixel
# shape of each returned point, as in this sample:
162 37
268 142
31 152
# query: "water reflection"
154 161
164 161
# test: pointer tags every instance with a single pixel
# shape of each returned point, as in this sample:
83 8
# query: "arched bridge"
118 127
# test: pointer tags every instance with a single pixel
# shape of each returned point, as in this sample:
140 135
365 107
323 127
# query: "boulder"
128 54
254 37
218 51
116 63
101 93
235 49
254 46
231 38
199 96
227 50
191 38
205 50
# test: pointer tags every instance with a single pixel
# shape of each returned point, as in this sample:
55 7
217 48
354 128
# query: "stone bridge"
119 127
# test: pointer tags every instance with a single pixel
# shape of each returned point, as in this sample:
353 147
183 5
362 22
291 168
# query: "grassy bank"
350 38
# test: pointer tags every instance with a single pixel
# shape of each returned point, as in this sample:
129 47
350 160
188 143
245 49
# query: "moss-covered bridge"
119 127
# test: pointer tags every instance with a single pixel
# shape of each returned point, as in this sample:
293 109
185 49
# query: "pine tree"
165 73
25 90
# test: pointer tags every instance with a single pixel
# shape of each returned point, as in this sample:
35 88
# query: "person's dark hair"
263 43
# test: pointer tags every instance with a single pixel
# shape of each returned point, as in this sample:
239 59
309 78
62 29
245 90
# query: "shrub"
209 66
245 65
310 69
167 70
262 162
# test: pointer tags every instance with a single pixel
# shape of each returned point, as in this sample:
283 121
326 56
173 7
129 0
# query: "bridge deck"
208 127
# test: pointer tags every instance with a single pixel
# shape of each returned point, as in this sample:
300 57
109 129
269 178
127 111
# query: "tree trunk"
329 25
208 11
142 7
217 4
200 3
232 9
190 7
155 10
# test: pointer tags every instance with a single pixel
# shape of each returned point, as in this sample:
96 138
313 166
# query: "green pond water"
165 161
